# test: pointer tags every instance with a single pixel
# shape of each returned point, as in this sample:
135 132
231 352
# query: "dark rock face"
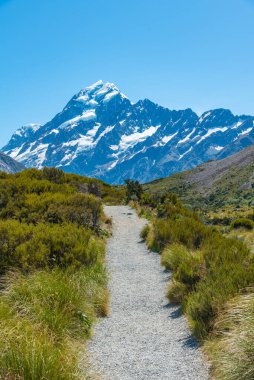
100 133
8 165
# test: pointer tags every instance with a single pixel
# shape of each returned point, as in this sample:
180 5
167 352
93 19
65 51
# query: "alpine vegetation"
209 270
101 133
53 279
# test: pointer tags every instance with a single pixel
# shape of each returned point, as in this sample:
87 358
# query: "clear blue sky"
178 53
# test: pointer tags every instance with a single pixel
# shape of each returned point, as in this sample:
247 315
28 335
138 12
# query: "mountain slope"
9 165
101 133
229 181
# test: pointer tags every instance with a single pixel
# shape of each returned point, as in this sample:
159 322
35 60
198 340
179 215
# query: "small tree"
134 190
53 175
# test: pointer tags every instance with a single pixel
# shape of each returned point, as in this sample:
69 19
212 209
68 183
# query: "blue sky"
178 53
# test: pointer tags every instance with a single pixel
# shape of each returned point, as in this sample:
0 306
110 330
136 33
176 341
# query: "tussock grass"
28 351
243 235
144 232
208 268
43 315
232 350
210 264
173 255
176 292
66 303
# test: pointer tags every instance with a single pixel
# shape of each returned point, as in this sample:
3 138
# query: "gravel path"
144 337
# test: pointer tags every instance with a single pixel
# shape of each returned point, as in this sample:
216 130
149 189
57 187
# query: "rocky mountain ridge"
101 133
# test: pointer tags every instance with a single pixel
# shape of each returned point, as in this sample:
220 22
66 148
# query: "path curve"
143 338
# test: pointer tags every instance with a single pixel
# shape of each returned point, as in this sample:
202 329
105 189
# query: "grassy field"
53 279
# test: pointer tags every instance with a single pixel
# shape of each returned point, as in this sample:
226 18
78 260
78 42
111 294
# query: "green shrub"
14 189
144 232
134 190
187 270
242 223
30 247
82 209
186 231
173 255
176 292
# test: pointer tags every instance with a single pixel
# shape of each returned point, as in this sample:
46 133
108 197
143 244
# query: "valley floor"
144 337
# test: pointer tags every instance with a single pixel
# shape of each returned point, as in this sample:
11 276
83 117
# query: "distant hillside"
9 165
215 183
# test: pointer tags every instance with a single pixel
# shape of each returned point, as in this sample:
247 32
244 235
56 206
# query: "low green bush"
176 292
82 209
208 277
186 231
173 255
29 247
16 188
242 223
144 232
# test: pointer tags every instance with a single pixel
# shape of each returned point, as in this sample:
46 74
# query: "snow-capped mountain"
9 165
101 133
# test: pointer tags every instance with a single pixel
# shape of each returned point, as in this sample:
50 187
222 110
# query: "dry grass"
244 235
232 350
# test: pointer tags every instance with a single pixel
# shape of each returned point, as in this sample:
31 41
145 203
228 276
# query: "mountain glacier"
101 133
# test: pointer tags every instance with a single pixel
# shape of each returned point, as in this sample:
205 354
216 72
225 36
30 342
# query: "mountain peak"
99 92
100 133
219 115
96 84
27 129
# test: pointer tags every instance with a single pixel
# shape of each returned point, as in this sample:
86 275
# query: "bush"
186 231
14 188
133 190
29 247
187 270
173 255
144 232
84 210
176 292
242 223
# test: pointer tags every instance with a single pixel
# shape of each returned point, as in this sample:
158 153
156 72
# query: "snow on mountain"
8 165
101 133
